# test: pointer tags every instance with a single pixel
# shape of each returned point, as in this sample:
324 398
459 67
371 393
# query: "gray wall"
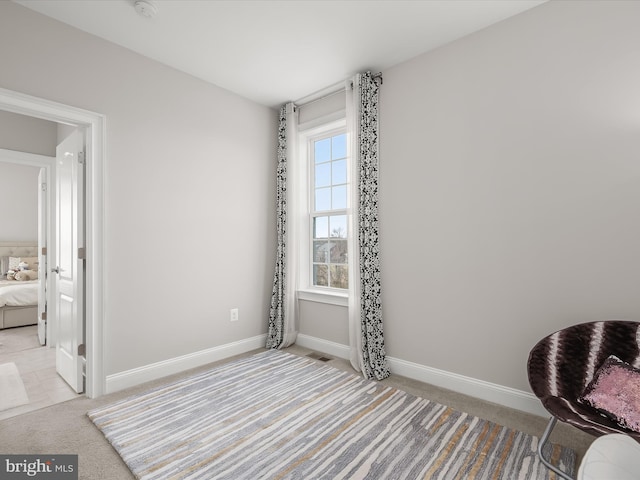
189 189
19 183
27 134
324 321
509 197
18 202
509 188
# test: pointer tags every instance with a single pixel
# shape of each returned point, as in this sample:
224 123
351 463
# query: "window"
324 272
328 212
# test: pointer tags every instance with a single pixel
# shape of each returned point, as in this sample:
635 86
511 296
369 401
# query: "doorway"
27 363
93 125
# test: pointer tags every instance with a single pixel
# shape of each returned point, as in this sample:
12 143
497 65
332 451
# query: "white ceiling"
272 51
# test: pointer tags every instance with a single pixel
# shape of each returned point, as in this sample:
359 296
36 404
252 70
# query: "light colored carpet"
12 392
276 415
65 428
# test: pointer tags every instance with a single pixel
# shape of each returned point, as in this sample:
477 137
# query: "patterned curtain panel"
282 314
365 308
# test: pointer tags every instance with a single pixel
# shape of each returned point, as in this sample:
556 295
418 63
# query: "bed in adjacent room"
19 284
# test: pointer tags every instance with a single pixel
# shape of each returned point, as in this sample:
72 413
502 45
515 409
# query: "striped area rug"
279 416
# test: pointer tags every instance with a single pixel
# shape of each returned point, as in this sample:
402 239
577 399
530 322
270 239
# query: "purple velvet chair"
562 364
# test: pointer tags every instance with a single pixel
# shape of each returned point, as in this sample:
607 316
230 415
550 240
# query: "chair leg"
541 444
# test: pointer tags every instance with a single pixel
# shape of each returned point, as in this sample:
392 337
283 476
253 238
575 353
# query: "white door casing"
69 270
95 125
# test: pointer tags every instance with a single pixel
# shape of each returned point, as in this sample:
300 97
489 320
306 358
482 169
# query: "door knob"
55 270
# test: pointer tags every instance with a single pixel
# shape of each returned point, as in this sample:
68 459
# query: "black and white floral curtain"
365 307
366 336
283 312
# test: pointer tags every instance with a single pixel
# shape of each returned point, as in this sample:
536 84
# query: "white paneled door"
69 268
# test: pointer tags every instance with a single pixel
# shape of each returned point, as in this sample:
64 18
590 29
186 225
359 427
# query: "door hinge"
82 350
82 253
44 251
81 158
43 186
43 316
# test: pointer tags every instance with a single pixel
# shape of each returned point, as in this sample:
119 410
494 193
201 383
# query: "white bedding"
18 294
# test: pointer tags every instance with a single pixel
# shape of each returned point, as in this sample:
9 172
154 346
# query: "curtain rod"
339 88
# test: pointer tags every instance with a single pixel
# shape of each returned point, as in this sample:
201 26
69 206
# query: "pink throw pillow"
615 392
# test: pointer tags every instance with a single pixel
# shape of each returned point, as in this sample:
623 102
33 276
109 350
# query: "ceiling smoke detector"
146 8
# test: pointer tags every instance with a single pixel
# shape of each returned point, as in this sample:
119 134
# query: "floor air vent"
317 356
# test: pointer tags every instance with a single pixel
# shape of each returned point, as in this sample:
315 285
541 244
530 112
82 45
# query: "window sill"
320 296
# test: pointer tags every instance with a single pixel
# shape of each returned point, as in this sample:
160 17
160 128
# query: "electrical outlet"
233 315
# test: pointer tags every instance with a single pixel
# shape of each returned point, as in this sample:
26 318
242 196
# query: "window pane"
338 251
329 187
321 227
321 250
339 172
323 199
323 175
339 197
339 276
339 146
322 150
321 275
339 226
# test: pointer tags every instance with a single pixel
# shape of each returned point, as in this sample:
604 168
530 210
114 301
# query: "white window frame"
308 291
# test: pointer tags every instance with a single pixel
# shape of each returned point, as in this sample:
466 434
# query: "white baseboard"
324 346
137 376
490 392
